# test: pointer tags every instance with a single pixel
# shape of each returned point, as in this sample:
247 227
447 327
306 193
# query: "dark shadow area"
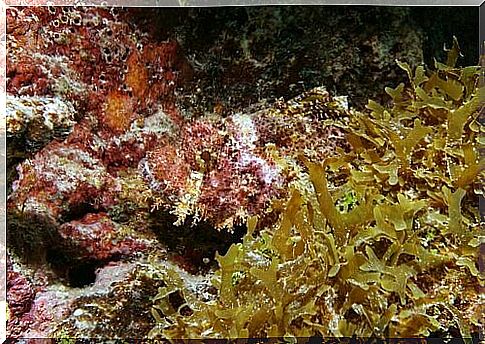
440 24
452 336
76 273
242 55
28 235
83 274
71 273
78 211
193 247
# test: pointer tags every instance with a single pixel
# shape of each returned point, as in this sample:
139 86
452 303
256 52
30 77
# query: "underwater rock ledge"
346 222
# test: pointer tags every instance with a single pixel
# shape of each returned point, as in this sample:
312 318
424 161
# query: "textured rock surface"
224 170
89 59
116 305
92 204
122 122
242 55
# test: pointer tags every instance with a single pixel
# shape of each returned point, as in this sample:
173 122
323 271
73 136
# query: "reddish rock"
89 56
225 169
20 293
118 112
97 237
59 180
20 297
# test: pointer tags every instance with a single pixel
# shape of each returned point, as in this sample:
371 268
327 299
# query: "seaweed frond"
400 260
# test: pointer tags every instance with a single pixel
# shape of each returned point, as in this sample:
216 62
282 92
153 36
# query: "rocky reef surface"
154 178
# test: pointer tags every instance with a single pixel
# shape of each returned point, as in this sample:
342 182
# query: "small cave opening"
73 273
78 212
192 246
82 275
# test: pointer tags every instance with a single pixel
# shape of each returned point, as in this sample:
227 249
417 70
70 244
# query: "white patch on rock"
245 137
54 113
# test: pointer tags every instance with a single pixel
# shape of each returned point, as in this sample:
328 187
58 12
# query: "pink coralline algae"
128 149
213 169
20 297
59 179
20 293
97 237
110 153
224 170
52 309
92 59
221 170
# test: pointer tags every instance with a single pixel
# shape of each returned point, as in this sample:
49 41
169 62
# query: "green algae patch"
385 243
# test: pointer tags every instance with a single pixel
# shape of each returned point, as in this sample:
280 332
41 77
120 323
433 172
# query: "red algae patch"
118 112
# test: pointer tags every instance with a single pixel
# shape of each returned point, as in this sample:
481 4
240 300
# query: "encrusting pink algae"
130 214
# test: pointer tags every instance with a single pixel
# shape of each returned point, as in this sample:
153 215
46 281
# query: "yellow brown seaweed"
386 243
